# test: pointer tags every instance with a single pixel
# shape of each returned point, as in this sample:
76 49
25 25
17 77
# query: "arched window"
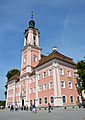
70 85
64 99
62 84
71 99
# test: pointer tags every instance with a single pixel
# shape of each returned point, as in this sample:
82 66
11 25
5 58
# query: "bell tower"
31 52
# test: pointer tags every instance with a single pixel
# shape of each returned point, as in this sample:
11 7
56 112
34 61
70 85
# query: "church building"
43 79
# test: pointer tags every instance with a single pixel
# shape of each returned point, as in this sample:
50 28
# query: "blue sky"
60 22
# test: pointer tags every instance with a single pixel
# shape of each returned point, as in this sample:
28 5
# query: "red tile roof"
57 55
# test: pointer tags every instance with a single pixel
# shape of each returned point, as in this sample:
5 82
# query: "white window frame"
39 76
61 71
44 87
70 85
70 98
69 73
41 101
78 99
44 100
40 88
34 58
50 99
44 74
50 72
30 90
34 90
76 85
25 59
65 99
50 85
62 84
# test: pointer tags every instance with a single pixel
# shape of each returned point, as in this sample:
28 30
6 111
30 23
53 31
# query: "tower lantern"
31 52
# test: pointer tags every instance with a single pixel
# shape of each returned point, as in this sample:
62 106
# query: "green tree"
81 73
11 73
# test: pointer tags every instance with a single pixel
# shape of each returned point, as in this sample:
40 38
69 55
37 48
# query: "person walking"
34 108
49 108
11 108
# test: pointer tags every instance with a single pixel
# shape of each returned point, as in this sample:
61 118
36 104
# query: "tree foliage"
2 103
81 73
11 73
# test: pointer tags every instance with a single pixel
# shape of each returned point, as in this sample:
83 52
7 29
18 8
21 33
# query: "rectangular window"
25 59
30 90
69 73
45 86
34 89
70 85
78 100
64 99
71 99
35 58
44 75
40 101
39 77
62 84
50 72
45 100
76 85
51 99
40 88
34 79
61 71
50 85
75 74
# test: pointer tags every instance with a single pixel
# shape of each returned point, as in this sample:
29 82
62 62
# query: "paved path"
71 114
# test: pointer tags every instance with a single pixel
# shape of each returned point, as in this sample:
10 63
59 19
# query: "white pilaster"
29 93
21 64
60 101
20 90
36 101
14 94
29 58
55 84
39 54
27 88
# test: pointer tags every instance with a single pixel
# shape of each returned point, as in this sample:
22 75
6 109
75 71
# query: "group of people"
32 108
16 108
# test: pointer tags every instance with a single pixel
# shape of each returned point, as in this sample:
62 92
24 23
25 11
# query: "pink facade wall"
64 91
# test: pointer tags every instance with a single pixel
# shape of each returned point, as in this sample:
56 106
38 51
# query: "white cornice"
59 62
